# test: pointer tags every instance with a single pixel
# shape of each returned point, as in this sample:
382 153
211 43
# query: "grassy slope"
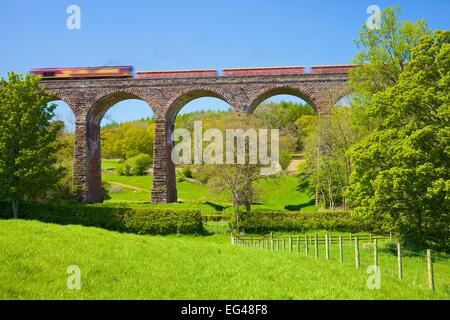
35 257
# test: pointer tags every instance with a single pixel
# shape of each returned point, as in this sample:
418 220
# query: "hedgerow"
140 221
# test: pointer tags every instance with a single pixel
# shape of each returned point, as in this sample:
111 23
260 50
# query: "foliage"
148 221
129 139
401 176
28 140
383 55
327 168
265 221
384 52
135 166
187 172
284 116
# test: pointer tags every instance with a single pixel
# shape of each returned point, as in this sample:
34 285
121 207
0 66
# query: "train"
127 72
84 72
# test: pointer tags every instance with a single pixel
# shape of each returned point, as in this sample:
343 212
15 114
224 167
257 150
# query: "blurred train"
127 72
84 72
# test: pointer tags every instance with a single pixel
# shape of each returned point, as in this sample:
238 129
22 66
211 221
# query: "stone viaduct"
166 93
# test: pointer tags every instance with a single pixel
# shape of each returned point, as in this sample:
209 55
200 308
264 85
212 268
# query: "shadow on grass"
298 207
217 207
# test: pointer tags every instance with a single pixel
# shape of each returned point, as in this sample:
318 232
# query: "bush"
140 221
187 172
264 221
135 166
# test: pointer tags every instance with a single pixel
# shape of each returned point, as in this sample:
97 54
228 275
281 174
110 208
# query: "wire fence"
419 269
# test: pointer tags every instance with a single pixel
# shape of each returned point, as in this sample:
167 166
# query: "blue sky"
161 35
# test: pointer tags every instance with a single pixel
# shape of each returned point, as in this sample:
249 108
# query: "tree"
401 176
28 144
236 178
126 140
383 54
284 116
328 167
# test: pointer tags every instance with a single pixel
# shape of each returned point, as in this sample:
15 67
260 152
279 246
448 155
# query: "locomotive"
84 72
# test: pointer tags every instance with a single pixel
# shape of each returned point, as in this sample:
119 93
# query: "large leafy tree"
28 144
382 56
401 176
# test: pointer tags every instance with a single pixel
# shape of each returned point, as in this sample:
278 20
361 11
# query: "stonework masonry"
90 99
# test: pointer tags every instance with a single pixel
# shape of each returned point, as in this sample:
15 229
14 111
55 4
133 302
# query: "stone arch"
67 99
268 92
189 94
105 100
343 92
90 134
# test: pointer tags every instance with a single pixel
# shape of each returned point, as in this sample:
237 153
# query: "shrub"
261 221
187 172
135 166
140 221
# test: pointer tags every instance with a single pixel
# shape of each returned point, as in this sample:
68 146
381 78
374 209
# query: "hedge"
140 221
263 221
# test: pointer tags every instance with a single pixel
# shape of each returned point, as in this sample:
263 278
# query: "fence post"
351 238
271 244
327 248
284 244
306 245
316 245
290 244
375 252
278 244
399 261
358 263
298 244
341 253
232 239
430 270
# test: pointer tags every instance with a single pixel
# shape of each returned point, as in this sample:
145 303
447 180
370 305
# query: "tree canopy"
28 144
401 173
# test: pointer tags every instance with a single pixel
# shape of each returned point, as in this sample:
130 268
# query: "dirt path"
292 167
129 187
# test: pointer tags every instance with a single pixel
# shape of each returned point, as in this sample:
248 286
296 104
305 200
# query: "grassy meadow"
35 257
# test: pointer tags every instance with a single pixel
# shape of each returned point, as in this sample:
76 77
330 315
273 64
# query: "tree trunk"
15 208
237 218
247 207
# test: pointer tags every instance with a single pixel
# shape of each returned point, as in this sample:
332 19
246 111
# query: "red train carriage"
344 68
176 74
84 72
262 71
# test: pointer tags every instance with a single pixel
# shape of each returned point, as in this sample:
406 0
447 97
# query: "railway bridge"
166 92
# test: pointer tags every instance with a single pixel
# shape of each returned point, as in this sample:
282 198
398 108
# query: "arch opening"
211 110
272 94
195 99
120 138
65 116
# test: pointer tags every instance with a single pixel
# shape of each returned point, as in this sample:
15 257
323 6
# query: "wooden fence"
310 244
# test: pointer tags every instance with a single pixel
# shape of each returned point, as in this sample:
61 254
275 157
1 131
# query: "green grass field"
35 257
